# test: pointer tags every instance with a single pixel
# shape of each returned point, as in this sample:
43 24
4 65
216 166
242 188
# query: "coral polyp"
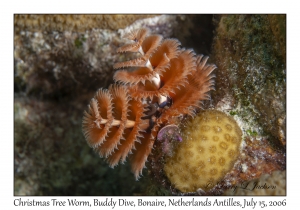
210 147
156 89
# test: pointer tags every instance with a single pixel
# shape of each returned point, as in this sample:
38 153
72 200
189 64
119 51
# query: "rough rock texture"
250 53
66 64
73 22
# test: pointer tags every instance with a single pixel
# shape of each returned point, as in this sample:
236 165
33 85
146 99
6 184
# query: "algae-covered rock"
278 26
250 54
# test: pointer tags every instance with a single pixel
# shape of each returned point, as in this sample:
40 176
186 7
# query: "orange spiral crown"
166 82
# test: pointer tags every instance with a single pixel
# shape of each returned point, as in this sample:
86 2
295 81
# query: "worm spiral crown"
165 82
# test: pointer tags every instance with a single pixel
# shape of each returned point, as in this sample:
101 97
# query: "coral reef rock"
249 51
70 63
73 22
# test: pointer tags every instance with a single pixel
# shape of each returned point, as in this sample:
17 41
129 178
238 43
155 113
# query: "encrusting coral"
156 89
211 143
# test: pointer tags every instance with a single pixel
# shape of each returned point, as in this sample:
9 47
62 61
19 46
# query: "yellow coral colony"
209 150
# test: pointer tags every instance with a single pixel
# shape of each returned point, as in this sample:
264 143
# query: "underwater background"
61 60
